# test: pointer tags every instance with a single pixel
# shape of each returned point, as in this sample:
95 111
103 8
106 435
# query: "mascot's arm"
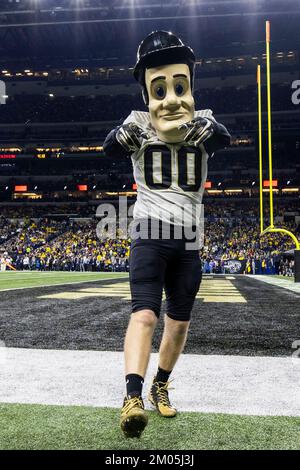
218 140
112 147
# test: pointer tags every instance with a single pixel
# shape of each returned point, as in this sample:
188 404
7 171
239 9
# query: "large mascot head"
165 70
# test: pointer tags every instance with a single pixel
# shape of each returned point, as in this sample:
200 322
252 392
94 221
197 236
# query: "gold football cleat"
134 418
159 397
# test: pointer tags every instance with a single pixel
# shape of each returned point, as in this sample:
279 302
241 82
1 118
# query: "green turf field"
21 279
56 427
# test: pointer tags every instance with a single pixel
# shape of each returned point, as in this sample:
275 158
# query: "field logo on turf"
187 220
296 354
3 353
296 93
3 94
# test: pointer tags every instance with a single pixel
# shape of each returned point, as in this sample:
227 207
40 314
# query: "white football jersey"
170 178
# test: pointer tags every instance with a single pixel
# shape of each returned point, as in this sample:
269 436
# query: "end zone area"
235 315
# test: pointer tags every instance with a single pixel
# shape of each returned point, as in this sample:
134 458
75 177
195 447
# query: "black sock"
162 375
134 384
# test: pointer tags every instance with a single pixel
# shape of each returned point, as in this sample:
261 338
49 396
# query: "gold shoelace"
132 403
162 393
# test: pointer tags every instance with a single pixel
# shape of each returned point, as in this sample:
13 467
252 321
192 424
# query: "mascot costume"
169 147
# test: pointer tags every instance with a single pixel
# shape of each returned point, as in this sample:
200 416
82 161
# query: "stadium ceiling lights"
149 11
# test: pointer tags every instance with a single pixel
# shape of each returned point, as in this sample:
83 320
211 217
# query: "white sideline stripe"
284 283
217 384
63 283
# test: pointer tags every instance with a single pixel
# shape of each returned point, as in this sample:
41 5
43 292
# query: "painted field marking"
211 291
265 386
273 281
220 291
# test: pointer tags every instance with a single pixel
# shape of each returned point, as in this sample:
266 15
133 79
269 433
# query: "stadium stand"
36 242
39 108
52 130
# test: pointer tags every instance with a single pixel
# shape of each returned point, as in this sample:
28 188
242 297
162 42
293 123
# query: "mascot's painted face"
171 102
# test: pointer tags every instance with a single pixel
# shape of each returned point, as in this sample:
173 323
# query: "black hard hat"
162 48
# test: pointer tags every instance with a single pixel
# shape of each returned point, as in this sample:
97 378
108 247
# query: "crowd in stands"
65 245
240 240
36 242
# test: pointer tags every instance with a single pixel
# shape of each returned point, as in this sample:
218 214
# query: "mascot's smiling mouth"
172 116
